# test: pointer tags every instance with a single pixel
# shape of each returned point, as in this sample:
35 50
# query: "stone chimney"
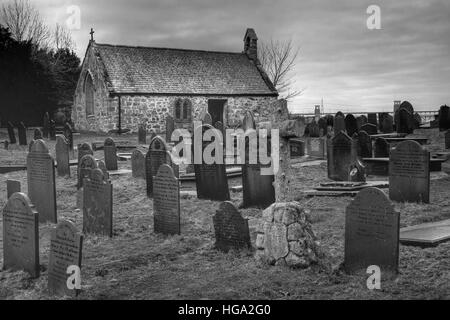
251 44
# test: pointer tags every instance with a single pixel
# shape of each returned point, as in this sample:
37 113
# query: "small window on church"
187 109
89 94
178 107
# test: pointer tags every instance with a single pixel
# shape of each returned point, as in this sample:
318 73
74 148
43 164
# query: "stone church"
121 87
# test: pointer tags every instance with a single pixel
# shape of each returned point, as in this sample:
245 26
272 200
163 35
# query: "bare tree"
278 59
24 22
62 38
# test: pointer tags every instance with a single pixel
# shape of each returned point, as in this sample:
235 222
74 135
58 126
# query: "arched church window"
178 107
187 109
89 94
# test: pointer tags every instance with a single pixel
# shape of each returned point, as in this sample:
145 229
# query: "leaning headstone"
170 127
156 156
41 181
65 250
37 134
138 164
142 134
110 153
85 167
11 134
62 156
370 128
68 133
249 121
21 235
166 201
340 156
372 118
22 132
12 186
46 125
231 229
339 123
364 144
447 139
97 204
371 232
409 173
444 118
350 124
381 148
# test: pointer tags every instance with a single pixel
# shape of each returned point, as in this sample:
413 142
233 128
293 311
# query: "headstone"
21 235
156 156
339 123
85 167
102 166
322 126
249 121
444 118
231 229
426 234
405 123
37 134
370 128
387 124
65 250
12 186
170 127
142 134
110 153
84 149
313 129
296 148
46 126
381 116
52 130
371 232
166 201
340 156
350 125
330 120
138 164
210 179
97 204
41 181
364 144
381 148
315 147
11 134
360 121
62 156
372 119
68 133
447 139
22 132
409 173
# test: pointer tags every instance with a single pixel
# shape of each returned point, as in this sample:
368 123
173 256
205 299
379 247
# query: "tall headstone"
142 134
166 201
156 156
38 134
41 181
62 156
138 164
46 125
85 167
371 232
370 128
231 229
110 152
350 124
12 186
409 173
381 148
11 134
444 118
22 133
170 127
405 123
372 118
21 235
65 250
249 121
339 123
364 144
97 204
340 156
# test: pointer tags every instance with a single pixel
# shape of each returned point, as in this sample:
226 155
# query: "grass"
138 264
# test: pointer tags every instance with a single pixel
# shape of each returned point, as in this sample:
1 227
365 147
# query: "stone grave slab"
426 234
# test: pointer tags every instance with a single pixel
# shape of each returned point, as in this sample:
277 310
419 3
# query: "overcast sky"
341 60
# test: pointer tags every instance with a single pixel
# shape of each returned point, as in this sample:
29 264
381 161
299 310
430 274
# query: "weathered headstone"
381 148
156 156
102 166
65 250
339 123
46 125
322 126
68 133
41 181
249 121
350 124
409 173
371 232
405 121
37 134
97 204
387 124
340 156
370 128
360 121
166 201
62 156
138 164
12 186
21 235
313 129
315 147
11 134
85 167
372 119
142 134
22 133
364 144
84 149
110 153
170 127
444 118
296 148
231 228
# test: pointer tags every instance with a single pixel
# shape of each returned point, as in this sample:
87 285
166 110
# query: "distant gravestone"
409 173
322 126
372 119
68 133
231 229
405 123
364 144
62 156
313 129
102 166
11 134
360 121
21 235
340 156
210 179
381 148
84 149
387 124
166 201
41 181
37 134
170 128
97 204
370 128
249 121
381 116
371 232
315 147
65 250
46 125
12 186
157 155
339 123
444 118
85 167
138 164
447 139
142 134
22 133
52 131
110 152
350 124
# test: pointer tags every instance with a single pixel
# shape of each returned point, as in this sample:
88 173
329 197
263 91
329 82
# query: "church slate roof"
149 70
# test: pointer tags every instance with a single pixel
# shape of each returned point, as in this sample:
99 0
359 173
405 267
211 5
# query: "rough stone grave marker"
65 250
387 124
11 134
444 118
138 164
231 229
12 186
62 156
84 149
41 181
409 173
22 133
339 122
21 235
381 148
97 204
110 152
340 156
350 124
142 134
166 201
85 166
364 144
370 128
371 232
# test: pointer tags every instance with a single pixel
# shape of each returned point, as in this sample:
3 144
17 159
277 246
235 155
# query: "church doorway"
216 109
